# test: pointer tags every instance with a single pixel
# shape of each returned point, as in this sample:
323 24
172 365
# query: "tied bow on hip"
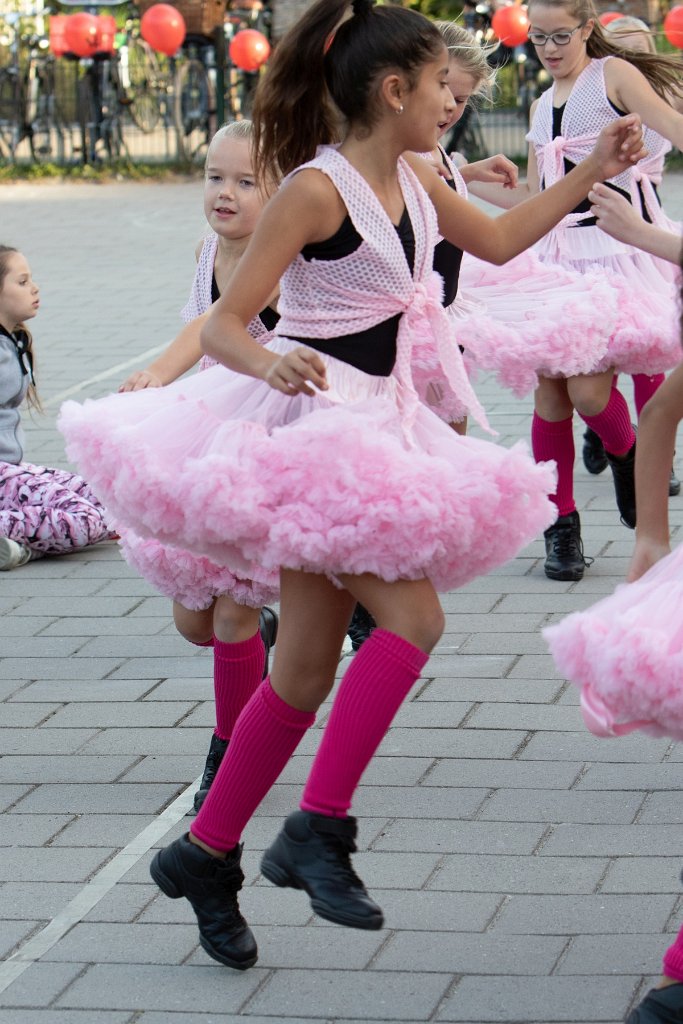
426 323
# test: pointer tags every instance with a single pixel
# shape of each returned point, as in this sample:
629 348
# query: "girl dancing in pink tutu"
317 456
43 511
212 606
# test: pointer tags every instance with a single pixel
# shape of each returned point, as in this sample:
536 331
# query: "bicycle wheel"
193 111
11 114
140 77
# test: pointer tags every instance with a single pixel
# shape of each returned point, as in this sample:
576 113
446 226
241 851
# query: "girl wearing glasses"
42 511
594 82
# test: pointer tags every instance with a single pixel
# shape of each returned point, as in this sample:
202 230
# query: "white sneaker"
12 554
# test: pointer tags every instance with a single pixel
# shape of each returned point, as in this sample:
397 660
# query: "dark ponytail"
325 72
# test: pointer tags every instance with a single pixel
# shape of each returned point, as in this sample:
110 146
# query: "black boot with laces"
211 885
216 754
623 471
594 455
312 852
565 559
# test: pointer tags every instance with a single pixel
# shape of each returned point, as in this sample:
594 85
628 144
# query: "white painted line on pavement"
143 357
91 894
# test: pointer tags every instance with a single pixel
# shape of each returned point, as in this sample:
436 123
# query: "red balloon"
609 16
163 27
249 49
58 43
673 27
81 34
511 25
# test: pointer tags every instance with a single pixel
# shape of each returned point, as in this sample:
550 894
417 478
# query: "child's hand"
291 371
614 214
495 169
139 380
647 552
619 144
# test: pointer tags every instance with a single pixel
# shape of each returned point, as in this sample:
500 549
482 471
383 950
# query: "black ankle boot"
594 456
312 852
211 885
216 753
674 484
660 1006
360 626
565 559
623 471
267 624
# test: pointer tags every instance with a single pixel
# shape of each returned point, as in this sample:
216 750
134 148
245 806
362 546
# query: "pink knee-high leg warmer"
265 736
555 442
672 965
372 690
613 425
644 387
237 671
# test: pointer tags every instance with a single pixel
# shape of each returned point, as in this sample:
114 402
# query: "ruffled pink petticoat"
352 480
626 653
193 580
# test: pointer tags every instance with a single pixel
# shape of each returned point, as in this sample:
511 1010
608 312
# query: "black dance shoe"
211 885
360 626
660 1006
623 472
267 624
312 852
565 559
594 455
216 754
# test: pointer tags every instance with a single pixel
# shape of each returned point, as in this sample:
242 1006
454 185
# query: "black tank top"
585 204
374 350
268 317
447 262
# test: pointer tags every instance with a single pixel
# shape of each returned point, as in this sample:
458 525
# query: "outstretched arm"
654 457
180 356
617 217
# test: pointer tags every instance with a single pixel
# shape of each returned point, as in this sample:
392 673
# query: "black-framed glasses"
557 38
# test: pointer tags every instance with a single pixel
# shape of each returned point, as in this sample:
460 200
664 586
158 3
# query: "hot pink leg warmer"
555 442
644 388
237 671
265 736
613 425
672 964
373 689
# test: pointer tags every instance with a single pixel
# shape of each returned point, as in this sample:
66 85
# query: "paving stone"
643 874
460 837
43 741
510 874
45 668
83 690
373 801
55 768
15 933
579 746
261 905
616 954
661 808
34 900
123 904
11 795
155 667
146 741
19 626
559 806
39 985
613 840
50 864
469 953
101 798
65 1017
125 714
546 1000
575 914
126 944
451 742
161 987
102 829
526 691
31 830
644 777
384 996
182 688
25 716
43 647
525 716
84 607
496 774
505 643
125 627
220 1018
159 768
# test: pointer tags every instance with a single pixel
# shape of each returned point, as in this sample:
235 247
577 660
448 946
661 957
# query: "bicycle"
28 105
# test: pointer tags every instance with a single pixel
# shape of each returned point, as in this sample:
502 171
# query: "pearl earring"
400 109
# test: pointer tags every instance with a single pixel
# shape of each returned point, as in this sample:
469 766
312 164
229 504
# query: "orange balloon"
249 49
163 27
609 16
81 34
511 25
673 27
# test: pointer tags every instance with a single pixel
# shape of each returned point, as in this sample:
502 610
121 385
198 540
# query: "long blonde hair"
471 57
662 72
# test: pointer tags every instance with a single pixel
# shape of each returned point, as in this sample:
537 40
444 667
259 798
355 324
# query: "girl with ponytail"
323 461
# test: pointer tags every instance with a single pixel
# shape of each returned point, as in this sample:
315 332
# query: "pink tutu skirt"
626 653
340 482
645 333
547 321
193 580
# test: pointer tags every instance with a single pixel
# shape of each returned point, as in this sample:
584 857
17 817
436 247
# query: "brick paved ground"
529 872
